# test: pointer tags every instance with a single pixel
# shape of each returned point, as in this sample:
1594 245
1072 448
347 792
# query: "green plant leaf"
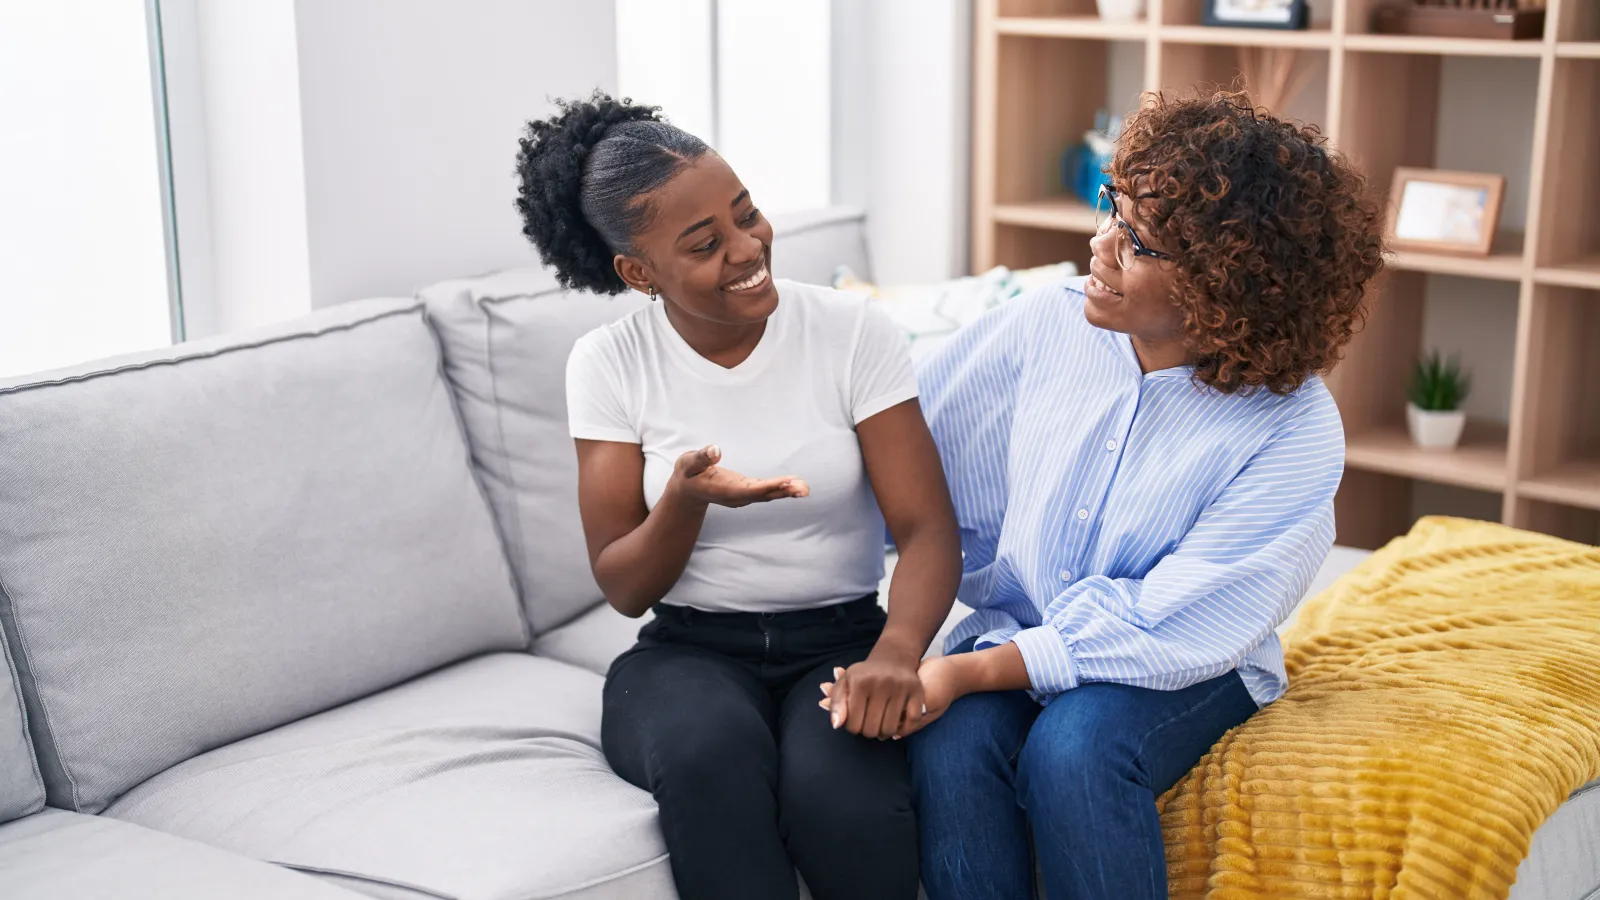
1438 384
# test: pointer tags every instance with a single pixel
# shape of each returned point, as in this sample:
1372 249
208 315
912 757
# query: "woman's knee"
1073 763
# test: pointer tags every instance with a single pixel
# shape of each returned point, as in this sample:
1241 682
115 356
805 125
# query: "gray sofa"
306 612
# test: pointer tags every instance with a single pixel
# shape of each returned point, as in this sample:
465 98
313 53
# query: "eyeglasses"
1128 246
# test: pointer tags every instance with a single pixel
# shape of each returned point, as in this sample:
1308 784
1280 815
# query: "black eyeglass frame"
1108 197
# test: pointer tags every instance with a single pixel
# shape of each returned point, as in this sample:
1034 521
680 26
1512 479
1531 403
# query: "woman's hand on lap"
941 686
942 683
699 477
878 698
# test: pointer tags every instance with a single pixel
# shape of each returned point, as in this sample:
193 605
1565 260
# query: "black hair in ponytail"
583 175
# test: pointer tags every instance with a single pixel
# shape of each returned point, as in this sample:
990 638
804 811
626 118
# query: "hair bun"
550 169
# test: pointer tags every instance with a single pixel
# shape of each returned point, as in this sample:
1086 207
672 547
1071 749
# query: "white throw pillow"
931 313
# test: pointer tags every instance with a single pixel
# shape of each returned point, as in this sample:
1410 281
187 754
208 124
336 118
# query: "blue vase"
1083 169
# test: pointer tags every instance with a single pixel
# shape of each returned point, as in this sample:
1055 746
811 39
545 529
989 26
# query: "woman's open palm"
708 482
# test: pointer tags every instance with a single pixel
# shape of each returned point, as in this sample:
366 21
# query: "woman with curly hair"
761 587
1143 465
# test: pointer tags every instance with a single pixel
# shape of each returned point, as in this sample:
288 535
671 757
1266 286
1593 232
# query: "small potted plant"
1438 387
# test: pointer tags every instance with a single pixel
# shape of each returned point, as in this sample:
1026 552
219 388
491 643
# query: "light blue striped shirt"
1120 526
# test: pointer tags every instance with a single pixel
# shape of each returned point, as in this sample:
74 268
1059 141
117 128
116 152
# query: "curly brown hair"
1275 235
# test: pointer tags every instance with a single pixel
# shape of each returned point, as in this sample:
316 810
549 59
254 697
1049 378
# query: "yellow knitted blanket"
1444 699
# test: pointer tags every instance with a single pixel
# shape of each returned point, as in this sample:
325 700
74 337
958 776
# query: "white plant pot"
1435 430
1121 10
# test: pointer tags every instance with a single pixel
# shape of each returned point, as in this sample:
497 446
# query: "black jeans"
716 715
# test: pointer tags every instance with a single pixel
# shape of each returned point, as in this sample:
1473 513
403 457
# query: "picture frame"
1438 211
1286 14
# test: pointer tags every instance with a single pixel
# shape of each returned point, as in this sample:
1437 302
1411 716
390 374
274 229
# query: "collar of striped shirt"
1121 526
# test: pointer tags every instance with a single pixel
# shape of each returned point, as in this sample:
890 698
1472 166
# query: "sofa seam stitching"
22 708
509 474
209 354
605 879
477 482
357 876
44 710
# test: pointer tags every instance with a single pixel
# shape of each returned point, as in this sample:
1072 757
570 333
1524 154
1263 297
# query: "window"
83 250
750 77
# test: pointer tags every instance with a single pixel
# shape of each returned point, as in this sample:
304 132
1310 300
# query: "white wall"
412 110
901 118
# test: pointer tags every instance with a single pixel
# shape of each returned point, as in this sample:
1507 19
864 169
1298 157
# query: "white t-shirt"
826 362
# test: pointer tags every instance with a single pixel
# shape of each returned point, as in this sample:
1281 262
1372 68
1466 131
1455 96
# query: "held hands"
700 478
863 699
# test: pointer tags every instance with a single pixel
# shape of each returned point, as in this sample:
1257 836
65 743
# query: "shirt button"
1083 514
1111 445
1066 574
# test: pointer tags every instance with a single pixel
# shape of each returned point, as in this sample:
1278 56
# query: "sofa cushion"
506 339
58 855
506 356
592 640
204 543
21 790
482 781
811 246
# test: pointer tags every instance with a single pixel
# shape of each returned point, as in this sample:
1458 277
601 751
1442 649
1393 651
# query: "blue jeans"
1083 773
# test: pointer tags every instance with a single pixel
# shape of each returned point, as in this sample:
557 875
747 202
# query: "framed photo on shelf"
1255 13
1444 212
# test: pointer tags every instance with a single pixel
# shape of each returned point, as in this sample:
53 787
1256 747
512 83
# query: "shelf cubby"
1570 522
1051 9
1373 507
1186 64
1578 23
1560 453
1569 225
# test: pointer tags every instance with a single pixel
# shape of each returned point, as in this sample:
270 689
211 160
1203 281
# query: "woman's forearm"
923 589
636 570
994 669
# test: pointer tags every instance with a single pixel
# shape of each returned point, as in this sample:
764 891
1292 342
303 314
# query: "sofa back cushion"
21 790
203 543
506 339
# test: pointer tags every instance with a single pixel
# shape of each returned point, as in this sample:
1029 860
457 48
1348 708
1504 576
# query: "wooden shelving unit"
1040 73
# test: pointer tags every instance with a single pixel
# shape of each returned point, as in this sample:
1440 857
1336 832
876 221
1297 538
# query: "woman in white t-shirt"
762 586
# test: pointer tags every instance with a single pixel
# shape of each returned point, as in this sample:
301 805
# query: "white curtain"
750 77
82 250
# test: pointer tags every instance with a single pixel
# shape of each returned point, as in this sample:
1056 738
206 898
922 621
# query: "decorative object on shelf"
1083 166
1506 20
1121 10
1256 13
1434 415
1444 212
1273 76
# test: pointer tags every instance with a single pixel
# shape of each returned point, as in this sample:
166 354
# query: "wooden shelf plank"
1314 38
1572 484
1073 27
1504 262
1578 49
1440 46
1055 214
1580 273
1480 461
